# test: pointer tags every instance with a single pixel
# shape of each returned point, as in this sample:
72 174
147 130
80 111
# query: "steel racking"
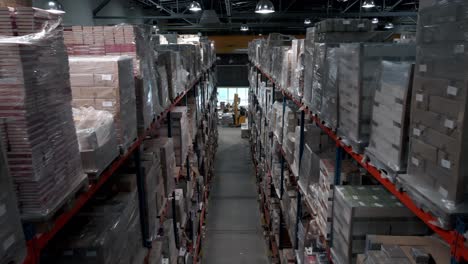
455 238
37 242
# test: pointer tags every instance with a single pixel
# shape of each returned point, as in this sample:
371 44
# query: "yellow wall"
231 43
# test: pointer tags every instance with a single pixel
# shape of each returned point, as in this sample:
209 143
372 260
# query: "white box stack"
437 167
359 75
35 98
388 143
362 210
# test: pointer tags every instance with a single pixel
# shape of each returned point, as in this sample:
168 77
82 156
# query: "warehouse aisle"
234 233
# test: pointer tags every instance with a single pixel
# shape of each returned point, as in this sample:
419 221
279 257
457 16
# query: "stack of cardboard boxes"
359 77
404 249
106 83
12 236
97 139
436 165
35 98
388 143
362 210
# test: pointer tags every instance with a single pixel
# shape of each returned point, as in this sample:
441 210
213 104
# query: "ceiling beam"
279 16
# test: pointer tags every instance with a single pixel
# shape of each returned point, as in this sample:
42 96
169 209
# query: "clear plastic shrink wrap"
329 85
35 100
97 139
135 41
107 83
297 75
319 73
437 172
388 141
146 87
105 231
11 233
359 76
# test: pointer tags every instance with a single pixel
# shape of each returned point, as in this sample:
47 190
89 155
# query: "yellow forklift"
240 113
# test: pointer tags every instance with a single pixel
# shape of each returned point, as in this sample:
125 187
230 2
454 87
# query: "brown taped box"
94 93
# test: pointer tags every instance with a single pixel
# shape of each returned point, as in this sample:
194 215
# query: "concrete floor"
234 233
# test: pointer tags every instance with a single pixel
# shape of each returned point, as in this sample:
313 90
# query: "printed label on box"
106 77
378 205
355 197
419 97
423 68
449 123
8 242
360 25
346 22
415 161
443 191
362 204
452 90
459 49
416 132
445 163
107 103
2 209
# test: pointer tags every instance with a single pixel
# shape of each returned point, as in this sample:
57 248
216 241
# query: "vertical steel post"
174 220
188 168
339 155
273 94
282 157
301 140
299 214
337 179
169 125
299 207
282 178
142 203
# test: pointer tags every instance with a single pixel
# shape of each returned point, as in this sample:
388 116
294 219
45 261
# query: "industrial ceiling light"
264 7
54 7
244 27
375 20
307 21
368 4
194 6
389 25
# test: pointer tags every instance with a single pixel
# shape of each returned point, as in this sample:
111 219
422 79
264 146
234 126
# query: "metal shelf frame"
37 242
454 238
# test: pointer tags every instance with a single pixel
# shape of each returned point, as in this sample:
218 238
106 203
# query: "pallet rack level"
454 238
37 242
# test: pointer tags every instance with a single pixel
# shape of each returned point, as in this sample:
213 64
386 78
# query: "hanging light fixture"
194 6
375 20
307 21
368 4
389 25
264 7
244 27
54 7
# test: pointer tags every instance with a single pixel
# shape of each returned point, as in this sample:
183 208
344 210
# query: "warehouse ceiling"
226 16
